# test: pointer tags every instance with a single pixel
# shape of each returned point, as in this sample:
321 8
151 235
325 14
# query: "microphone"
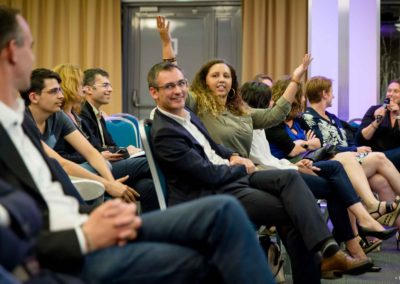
385 104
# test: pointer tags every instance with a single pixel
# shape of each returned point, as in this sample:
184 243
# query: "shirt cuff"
4 217
82 240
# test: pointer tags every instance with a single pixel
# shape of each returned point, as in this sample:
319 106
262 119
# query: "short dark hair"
9 27
37 82
89 76
156 69
256 94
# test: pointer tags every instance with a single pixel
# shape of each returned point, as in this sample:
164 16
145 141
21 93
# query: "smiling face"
393 92
170 93
219 80
100 92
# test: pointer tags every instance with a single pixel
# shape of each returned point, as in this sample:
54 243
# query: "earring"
231 96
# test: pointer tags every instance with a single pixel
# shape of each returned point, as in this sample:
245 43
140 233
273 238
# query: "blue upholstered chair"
135 121
123 131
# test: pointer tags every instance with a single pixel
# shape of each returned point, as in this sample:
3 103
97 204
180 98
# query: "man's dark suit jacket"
56 250
189 172
87 115
16 241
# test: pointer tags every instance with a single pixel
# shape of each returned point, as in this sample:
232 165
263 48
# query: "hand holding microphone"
380 112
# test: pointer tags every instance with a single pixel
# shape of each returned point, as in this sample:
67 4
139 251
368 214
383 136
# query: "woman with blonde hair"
134 171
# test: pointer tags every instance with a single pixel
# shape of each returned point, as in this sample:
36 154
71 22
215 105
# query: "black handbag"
326 152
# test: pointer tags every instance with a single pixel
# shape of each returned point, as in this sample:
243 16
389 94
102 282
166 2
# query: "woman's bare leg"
380 186
377 163
358 179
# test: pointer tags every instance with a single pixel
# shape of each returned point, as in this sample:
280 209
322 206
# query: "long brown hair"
207 102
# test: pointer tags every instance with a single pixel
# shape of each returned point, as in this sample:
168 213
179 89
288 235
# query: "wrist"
171 60
295 80
234 155
88 241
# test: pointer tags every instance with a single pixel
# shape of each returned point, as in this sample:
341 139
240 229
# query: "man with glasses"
98 90
44 100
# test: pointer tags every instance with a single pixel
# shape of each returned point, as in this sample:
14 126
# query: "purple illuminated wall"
344 41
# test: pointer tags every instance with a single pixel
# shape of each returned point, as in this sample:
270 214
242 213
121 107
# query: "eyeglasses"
105 85
182 84
54 91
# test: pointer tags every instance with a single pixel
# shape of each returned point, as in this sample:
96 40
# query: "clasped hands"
112 223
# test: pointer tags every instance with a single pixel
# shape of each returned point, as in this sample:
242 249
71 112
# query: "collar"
12 117
177 118
96 111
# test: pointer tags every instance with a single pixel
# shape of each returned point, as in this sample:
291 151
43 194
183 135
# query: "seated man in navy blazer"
196 166
208 241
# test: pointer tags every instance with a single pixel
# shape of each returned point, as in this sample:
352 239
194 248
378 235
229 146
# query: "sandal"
390 216
369 246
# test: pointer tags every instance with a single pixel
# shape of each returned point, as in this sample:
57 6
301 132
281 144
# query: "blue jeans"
209 240
139 178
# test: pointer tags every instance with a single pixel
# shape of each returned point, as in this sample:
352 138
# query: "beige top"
236 132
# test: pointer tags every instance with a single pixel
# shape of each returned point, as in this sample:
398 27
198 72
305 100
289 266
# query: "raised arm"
166 43
297 76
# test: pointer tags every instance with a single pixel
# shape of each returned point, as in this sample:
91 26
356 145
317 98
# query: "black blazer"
88 117
57 250
188 171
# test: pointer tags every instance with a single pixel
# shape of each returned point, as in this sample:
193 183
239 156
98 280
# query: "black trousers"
281 198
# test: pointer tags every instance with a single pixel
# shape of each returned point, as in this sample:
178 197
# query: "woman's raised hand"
163 29
302 68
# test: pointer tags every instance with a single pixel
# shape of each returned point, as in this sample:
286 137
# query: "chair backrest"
132 119
158 177
123 131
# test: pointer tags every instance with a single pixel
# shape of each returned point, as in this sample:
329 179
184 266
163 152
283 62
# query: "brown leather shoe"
341 263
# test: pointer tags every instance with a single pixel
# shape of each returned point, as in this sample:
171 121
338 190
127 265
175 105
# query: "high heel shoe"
383 235
390 217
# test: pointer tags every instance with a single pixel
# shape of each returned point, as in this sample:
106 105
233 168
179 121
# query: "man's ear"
86 90
10 51
33 97
153 93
